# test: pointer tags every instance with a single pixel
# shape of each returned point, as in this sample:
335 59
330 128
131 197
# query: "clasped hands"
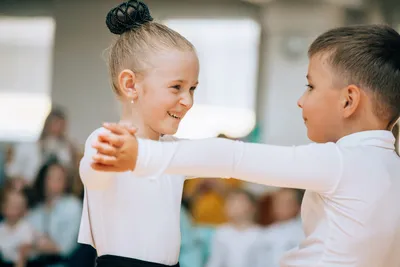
117 149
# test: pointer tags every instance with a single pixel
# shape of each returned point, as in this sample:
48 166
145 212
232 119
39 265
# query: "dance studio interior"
55 91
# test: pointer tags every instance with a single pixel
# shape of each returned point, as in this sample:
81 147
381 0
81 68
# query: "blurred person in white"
286 232
53 143
16 234
56 215
237 243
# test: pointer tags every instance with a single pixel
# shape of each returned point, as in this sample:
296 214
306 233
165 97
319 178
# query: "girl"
154 72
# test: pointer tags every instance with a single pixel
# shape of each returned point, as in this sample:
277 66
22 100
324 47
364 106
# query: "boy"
351 175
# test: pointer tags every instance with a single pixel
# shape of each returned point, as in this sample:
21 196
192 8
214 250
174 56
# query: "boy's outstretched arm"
315 167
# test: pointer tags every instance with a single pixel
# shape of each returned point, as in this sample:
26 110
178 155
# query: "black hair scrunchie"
128 15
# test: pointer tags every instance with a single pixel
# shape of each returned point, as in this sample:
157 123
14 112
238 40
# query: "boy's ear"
350 100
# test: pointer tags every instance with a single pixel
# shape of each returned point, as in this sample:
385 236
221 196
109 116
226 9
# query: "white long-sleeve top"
131 217
349 211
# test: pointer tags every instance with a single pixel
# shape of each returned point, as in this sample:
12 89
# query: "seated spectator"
27 158
16 235
56 215
286 232
237 243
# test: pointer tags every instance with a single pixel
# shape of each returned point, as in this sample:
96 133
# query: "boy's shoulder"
169 138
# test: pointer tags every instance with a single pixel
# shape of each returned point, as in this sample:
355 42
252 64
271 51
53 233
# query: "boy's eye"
193 88
309 87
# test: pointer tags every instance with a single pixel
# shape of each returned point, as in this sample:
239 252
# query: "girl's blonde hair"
139 38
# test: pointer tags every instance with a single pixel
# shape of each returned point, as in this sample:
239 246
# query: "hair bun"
128 15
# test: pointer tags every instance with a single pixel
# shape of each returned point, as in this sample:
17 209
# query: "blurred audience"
285 204
237 243
190 254
56 215
285 232
206 199
53 143
16 234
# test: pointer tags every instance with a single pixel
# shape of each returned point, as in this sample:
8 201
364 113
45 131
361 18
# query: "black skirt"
117 261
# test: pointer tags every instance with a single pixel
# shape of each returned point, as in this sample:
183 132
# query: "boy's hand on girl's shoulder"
116 150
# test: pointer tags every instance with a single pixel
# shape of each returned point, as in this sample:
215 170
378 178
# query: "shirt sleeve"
315 167
92 179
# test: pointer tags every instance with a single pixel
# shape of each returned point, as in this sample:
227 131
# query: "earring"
132 107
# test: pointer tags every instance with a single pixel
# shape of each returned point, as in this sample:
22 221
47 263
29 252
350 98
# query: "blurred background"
54 91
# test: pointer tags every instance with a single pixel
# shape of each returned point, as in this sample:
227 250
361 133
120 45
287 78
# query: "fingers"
104 159
115 128
129 127
132 130
112 139
105 149
120 128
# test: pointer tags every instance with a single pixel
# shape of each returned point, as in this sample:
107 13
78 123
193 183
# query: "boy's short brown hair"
367 56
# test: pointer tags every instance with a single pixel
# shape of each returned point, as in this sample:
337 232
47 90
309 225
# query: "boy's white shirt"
349 210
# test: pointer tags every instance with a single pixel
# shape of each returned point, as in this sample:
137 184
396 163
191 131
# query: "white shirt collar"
378 138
